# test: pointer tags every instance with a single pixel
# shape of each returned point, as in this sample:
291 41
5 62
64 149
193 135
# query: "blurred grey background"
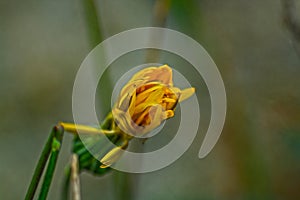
42 44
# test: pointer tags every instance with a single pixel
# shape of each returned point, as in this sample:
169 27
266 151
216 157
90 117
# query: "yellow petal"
143 95
156 116
155 96
113 156
164 105
169 100
123 120
168 114
83 129
124 102
173 92
142 116
171 105
186 93
152 99
132 103
140 108
130 87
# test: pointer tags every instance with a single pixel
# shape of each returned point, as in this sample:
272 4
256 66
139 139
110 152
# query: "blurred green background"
42 44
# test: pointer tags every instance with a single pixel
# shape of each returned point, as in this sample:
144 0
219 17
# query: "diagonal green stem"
56 144
40 167
65 190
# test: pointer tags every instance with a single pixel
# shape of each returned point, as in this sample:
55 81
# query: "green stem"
92 22
160 14
65 191
123 185
40 167
56 144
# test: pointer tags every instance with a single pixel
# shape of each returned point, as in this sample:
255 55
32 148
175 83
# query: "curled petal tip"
165 74
186 93
113 155
165 67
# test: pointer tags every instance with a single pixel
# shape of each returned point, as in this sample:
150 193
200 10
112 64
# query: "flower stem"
123 186
92 22
160 14
40 167
75 178
55 148
66 183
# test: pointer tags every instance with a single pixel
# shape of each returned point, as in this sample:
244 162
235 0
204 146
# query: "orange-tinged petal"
164 74
156 116
143 73
142 116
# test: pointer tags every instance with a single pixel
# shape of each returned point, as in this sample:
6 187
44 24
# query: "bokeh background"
42 44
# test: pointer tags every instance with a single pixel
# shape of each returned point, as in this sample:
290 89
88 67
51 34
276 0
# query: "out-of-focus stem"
290 19
92 22
128 183
160 14
75 182
66 183
291 23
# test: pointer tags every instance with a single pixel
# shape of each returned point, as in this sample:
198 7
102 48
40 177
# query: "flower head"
147 100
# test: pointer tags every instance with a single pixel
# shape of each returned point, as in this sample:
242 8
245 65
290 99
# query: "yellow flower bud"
147 100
